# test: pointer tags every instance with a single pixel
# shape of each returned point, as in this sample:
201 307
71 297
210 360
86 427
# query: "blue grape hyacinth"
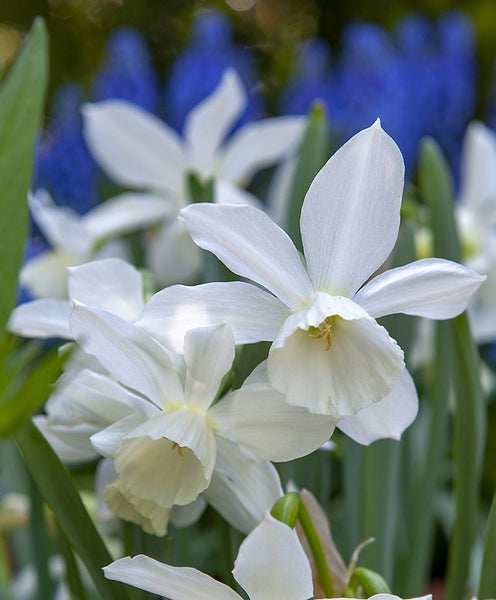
64 166
199 68
127 72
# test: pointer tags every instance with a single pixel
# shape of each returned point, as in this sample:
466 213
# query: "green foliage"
21 103
55 485
313 153
469 421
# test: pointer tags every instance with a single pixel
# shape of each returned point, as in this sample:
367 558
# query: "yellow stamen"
176 446
324 330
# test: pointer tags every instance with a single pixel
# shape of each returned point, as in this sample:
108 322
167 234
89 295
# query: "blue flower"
64 166
199 68
127 72
311 81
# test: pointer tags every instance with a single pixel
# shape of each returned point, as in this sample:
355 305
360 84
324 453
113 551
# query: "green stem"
317 550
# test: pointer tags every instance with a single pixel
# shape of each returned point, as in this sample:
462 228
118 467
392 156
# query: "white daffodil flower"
141 152
475 213
270 564
241 489
75 240
111 284
328 353
168 456
476 219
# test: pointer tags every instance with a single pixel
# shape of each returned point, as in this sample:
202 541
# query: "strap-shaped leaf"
55 485
21 102
469 422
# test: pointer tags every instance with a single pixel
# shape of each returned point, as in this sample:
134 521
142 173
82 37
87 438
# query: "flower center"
323 331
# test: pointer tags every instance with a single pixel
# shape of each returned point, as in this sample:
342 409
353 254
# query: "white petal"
132 146
359 369
108 441
431 287
168 459
71 443
208 354
260 144
254 315
45 276
242 490
278 193
111 284
127 212
61 225
184 516
177 583
151 517
387 418
478 180
172 255
272 564
227 193
251 245
104 475
95 399
351 213
128 353
259 419
44 318
210 121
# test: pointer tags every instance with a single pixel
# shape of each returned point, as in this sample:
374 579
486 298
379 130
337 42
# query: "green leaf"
314 151
487 584
55 485
21 102
17 403
469 421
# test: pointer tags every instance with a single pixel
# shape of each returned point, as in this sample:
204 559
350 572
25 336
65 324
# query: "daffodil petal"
127 212
45 276
208 354
42 318
360 367
271 564
177 583
168 459
431 287
132 146
151 517
260 144
210 121
172 255
253 314
183 516
61 225
478 178
128 353
70 442
110 284
251 245
258 418
387 418
242 490
351 213
108 441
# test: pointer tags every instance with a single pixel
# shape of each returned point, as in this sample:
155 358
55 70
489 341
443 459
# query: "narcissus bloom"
270 564
111 284
141 152
75 239
328 352
166 451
